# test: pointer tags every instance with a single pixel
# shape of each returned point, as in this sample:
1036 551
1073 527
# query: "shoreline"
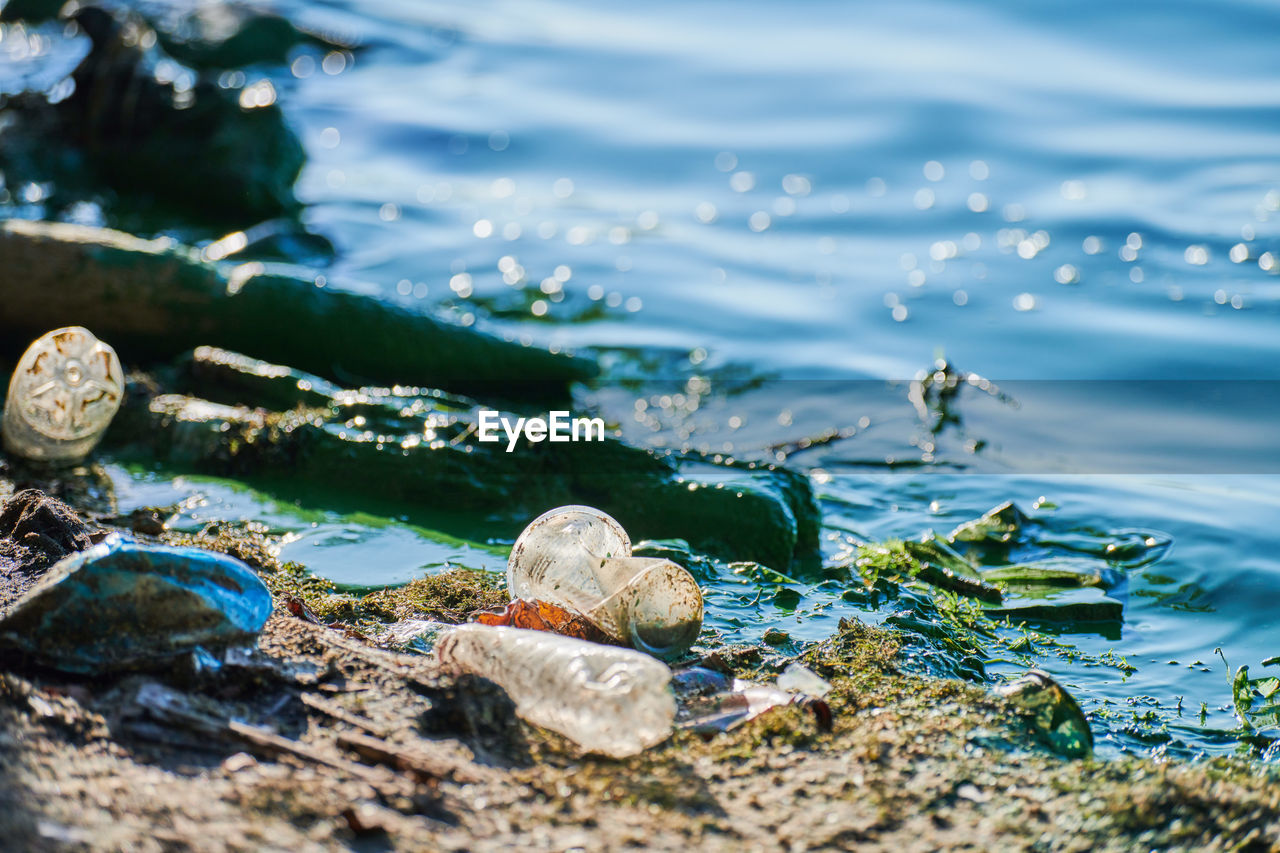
912 762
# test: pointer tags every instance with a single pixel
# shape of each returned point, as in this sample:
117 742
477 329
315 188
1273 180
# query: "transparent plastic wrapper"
63 394
580 558
608 700
798 678
710 702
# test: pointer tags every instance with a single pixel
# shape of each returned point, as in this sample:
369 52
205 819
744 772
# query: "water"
705 195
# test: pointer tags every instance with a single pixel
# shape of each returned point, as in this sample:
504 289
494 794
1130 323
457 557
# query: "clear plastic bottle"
63 394
580 558
608 700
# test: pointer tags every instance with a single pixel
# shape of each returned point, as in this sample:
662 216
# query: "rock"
123 605
164 143
1062 606
420 451
156 300
217 35
776 637
998 526
35 532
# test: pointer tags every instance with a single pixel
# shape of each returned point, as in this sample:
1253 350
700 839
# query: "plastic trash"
711 702
798 678
608 700
1057 717
580 558
63 394
545 616
414 635
121 604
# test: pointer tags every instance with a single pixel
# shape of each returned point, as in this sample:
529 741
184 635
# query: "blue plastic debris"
122 604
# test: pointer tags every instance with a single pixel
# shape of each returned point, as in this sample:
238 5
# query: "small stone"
776 637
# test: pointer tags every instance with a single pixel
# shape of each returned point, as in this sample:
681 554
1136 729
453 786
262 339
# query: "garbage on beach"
545 616
608 700
712 702
798 678
64 392
1057 717
413 635
121 604
579 558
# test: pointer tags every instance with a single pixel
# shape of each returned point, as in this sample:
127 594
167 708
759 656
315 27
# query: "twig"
332 709
422 767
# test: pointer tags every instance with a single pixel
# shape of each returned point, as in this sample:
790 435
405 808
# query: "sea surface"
768 218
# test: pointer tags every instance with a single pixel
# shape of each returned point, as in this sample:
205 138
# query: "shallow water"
716 193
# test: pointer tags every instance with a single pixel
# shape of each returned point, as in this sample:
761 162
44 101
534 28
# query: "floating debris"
1058 720
579 558
66 389
608 700
121 604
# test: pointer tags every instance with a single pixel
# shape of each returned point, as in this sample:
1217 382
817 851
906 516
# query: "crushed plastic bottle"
580 558
1057 717
608 700
414 635
63 394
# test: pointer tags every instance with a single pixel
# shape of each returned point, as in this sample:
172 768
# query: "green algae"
450 596
931 758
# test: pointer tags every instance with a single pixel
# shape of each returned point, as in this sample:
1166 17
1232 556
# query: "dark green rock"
155 300
418 449
187 148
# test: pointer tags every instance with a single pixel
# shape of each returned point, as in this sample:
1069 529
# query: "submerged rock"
998 528
419 450
217 35
154 134
121 605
